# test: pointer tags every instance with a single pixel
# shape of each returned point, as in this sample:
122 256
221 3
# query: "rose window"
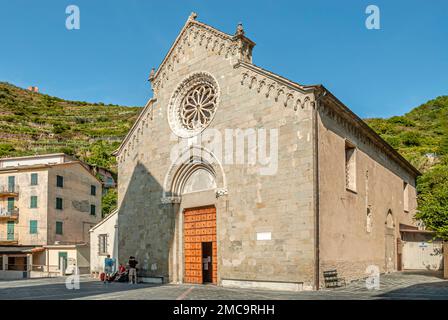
193 104
198 107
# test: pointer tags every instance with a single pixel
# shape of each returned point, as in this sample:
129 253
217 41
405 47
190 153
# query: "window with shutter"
33 226
59 204
34 180
33 202
11 204
60 181
59 226
11 183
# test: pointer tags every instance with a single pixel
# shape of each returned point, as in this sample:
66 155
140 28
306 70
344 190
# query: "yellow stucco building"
48 203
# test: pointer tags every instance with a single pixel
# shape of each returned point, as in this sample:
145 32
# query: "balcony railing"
8 213
9 189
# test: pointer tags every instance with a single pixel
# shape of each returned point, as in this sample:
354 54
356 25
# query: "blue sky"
374 72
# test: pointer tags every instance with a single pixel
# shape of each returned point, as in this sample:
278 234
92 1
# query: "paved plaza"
407 285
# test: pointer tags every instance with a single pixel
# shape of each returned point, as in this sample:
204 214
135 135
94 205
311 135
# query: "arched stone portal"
188 162
194 187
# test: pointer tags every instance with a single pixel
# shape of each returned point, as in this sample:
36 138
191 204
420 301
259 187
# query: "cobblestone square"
404 285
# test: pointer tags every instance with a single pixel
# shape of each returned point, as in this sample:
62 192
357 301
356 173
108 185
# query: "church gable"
236 46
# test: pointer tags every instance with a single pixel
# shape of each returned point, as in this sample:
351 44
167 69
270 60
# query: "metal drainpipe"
316 191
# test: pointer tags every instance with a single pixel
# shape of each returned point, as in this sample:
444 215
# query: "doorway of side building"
390 243
200 249
62 260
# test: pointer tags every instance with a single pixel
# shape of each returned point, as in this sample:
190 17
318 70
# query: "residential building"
105 176
47 200
103 242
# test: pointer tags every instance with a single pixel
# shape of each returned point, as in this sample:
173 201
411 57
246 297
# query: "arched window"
390 220
369 221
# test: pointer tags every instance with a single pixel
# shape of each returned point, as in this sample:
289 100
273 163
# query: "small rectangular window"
33 226
59 204
406 196
34 180
92 210
93 190
350 167
59 227
60 181
102 244
33 202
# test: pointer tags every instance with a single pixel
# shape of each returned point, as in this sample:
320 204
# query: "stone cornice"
336 110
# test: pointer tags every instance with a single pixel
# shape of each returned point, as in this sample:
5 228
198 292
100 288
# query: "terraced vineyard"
35 123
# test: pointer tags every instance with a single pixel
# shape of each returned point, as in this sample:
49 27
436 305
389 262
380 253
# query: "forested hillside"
421 136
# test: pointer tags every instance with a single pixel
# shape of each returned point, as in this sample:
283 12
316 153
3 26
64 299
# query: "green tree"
443 147
109 202
433 199
100 154
411 138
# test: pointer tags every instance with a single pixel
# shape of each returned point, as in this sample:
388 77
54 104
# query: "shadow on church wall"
146 226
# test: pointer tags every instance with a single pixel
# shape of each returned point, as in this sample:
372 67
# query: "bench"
332 280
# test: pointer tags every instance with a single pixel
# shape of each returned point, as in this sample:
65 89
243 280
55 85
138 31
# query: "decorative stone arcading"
137 132
288 95
193 104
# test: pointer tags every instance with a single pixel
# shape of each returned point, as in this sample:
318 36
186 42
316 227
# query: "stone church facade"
237 176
